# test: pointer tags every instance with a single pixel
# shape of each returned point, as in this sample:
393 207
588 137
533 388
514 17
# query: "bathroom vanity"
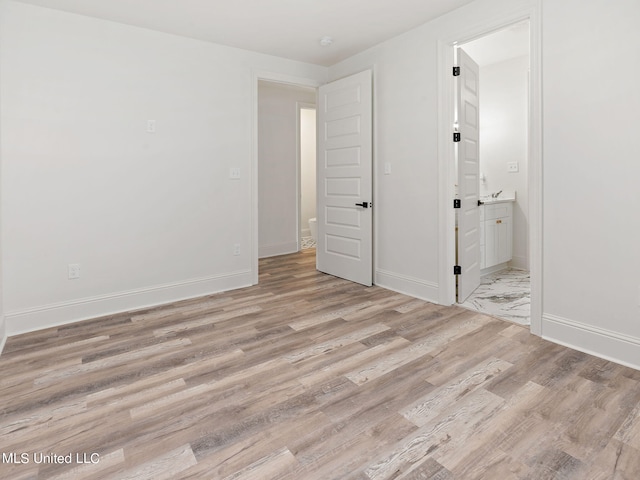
496 233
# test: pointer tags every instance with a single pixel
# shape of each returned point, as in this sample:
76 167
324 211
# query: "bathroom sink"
503 197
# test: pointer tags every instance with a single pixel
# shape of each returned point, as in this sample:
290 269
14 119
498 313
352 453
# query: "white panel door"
344 244
468 176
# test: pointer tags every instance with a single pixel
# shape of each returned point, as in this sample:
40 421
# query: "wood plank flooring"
307 376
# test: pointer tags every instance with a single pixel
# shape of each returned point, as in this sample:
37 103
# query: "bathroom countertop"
501 199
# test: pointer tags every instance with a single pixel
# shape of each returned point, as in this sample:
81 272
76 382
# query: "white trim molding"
3 333
596 341
275 249
407 285
57 314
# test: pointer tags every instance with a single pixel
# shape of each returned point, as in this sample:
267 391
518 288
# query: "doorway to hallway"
286 166
344 200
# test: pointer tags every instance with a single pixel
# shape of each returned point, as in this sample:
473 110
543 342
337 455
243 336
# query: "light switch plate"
74 271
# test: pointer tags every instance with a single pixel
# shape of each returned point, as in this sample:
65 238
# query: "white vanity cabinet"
496 233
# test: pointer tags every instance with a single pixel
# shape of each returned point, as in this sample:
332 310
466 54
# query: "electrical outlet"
387 168
236 249
74 271
151 126
512 167
234 173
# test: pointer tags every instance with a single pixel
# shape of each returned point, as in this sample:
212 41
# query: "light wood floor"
311 377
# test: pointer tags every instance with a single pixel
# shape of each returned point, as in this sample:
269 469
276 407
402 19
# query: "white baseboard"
275 249
493 269
521 263
606 344
3 333
54 315
407 285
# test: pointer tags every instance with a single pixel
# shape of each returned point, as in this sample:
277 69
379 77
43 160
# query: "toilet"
313 227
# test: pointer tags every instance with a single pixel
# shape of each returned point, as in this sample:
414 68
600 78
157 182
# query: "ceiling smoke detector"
325 41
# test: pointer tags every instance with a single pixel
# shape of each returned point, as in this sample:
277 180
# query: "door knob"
363 204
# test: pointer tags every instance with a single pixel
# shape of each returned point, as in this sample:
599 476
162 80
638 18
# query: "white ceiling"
285 28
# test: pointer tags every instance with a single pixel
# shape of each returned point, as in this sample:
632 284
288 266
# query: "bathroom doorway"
503 59
307 162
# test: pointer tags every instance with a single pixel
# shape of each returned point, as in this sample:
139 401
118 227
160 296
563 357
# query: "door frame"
274 77
466 33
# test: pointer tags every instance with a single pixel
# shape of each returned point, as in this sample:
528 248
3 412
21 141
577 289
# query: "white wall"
277 166
3 330
503 139
308 168
591 230
406 200
591 176
150 217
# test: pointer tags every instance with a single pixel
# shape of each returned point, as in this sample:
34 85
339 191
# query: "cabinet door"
504 240
491 236
483 262
498 239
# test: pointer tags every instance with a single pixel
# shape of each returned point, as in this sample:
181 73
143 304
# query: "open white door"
468 176
344 244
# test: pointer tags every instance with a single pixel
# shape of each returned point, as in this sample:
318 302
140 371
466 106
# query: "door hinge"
457 270
456 71
456 136
456 203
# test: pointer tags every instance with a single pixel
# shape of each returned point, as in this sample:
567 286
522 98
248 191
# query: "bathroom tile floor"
505 294
307 242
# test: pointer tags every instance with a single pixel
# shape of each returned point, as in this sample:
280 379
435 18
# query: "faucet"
495 195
